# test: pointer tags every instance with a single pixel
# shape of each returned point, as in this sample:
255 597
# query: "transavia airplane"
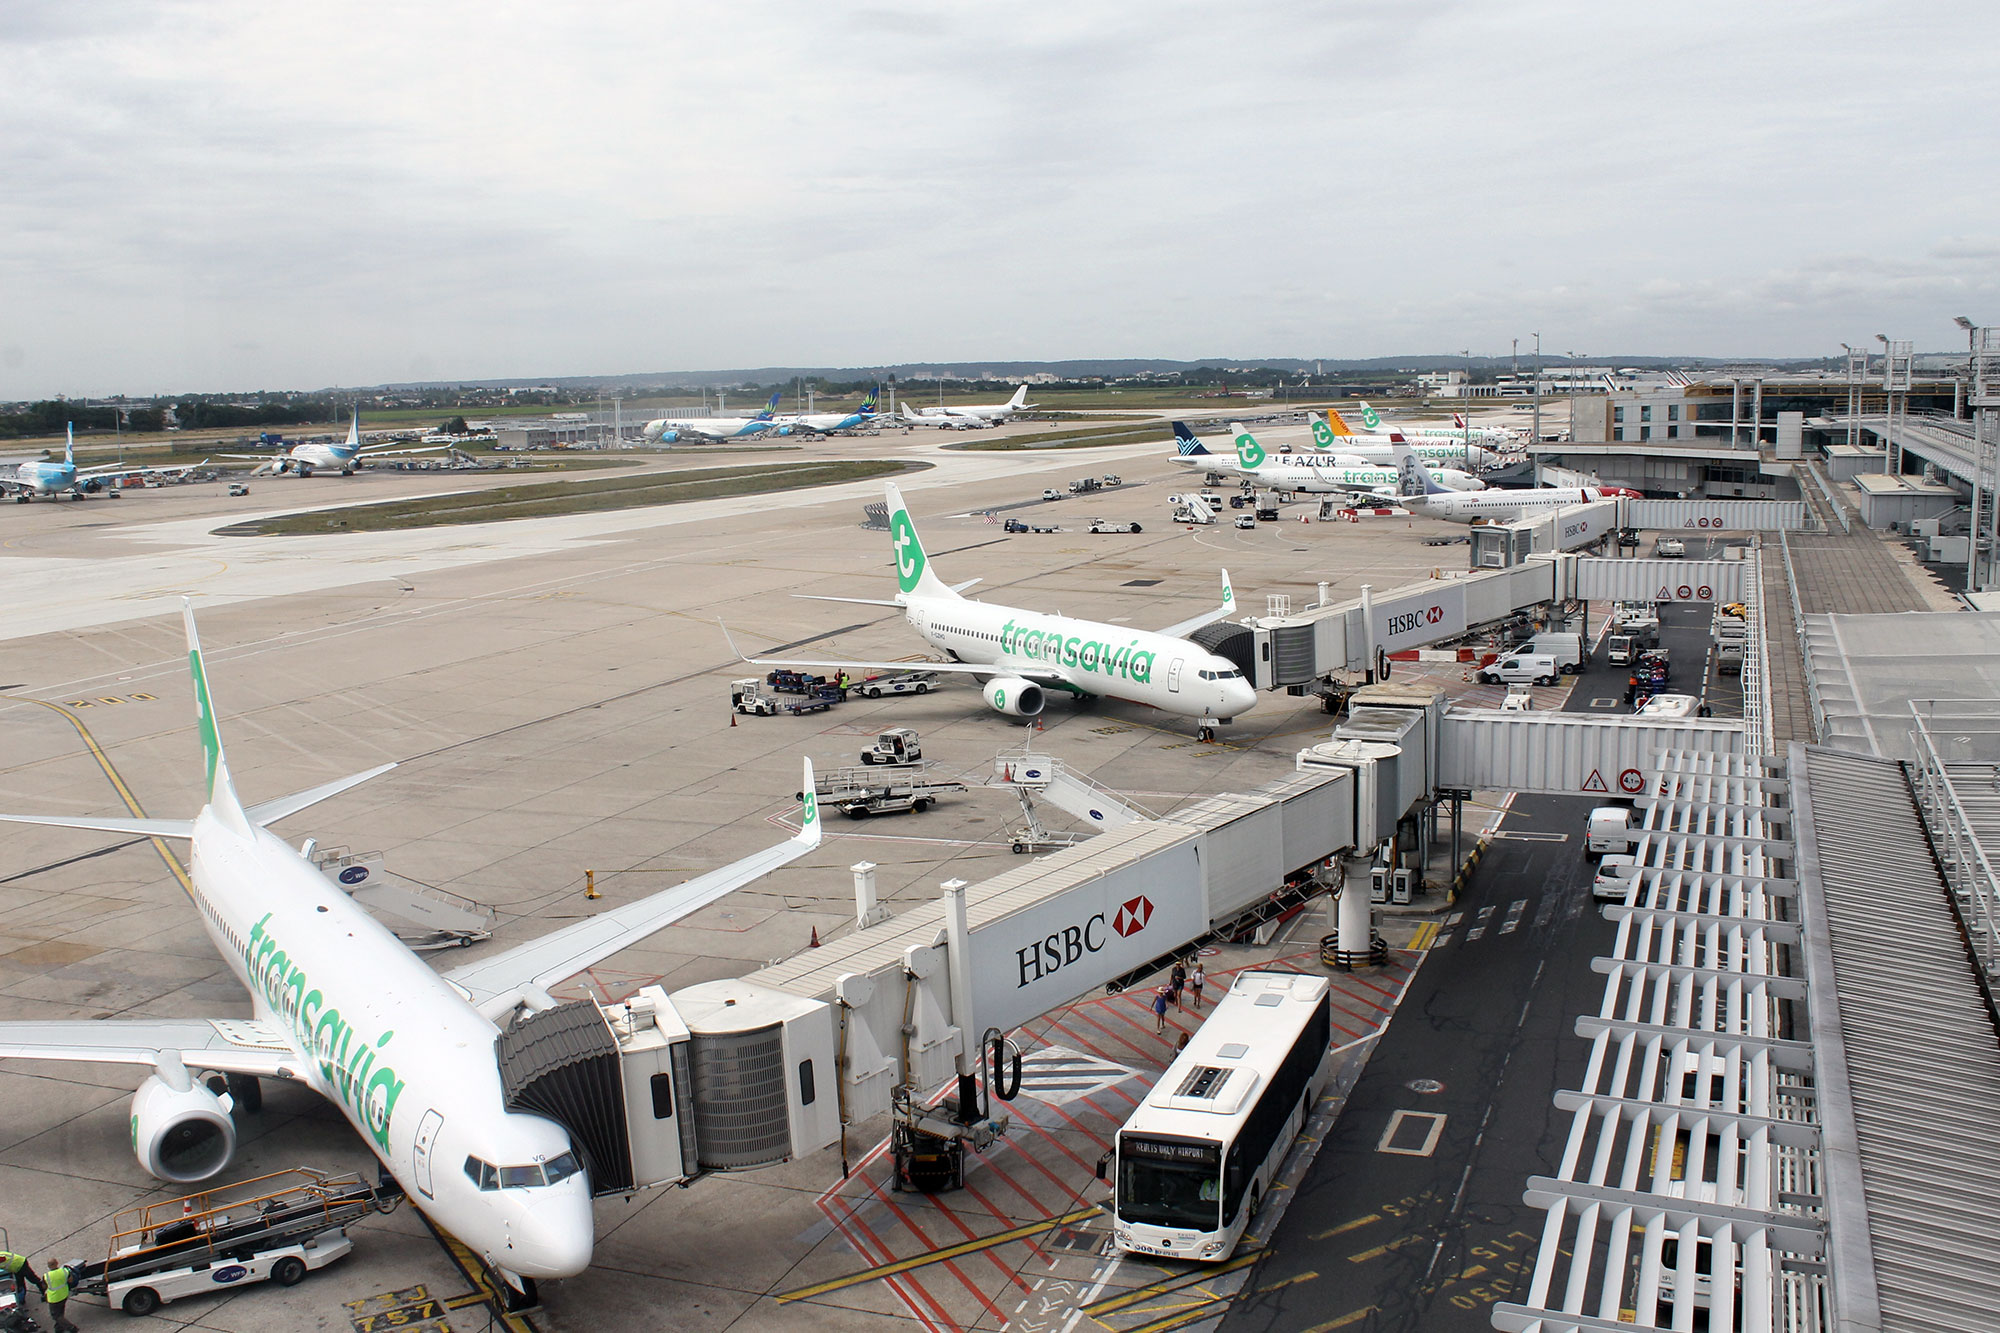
1295 472
1459 430
1420 494
667 431
831 423
405 1053
49 480
342 458
1022 655
990 413
909 416
1437 451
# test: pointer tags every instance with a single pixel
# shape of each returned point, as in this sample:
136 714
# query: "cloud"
203 194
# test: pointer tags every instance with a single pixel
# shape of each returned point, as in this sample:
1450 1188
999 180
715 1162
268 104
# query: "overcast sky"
236 196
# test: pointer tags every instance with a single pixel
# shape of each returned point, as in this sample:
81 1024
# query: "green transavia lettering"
347 1060
1126 662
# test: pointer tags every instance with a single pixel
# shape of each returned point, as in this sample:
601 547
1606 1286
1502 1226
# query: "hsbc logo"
1404 622
1133 916
1072 944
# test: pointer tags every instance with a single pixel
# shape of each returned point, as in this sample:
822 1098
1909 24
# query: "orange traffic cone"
814 942
732 717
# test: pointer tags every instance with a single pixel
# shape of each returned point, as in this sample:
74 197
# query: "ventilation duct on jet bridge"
563 1063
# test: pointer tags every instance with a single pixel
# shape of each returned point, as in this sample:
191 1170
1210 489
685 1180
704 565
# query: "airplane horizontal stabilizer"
270 812
145 828
859 601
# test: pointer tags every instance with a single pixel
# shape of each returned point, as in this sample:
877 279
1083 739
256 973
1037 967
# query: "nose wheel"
1206 733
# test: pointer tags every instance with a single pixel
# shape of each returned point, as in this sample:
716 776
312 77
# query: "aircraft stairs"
1039 776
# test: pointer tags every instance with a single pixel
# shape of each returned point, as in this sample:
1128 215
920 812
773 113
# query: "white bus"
1197 1156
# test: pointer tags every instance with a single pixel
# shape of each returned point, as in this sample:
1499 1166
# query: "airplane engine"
181 1135
1015 697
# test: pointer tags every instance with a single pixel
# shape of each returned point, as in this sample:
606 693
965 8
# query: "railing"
1832 500
1813 704
1954 837
1759 739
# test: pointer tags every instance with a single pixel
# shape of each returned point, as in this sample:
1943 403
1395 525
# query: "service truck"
1609 831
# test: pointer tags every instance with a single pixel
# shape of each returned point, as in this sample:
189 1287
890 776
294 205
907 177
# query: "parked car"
238 488
1246 522
1051 493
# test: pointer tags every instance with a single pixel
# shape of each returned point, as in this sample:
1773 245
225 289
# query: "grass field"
1153 432
546 499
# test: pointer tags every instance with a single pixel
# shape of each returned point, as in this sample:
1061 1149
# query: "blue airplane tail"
770 407
1185 441
868 404
69 443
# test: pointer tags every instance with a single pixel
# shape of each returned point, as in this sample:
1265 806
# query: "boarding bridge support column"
1354 942
867 911
1368 629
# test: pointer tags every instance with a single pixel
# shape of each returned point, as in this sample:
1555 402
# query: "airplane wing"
391 453
137 470
226 1045
1193 623
528 970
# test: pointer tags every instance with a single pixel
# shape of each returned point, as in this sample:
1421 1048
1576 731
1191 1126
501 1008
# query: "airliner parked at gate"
341 1005
1024 654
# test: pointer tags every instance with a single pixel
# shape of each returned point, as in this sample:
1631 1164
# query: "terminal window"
1646 413
1673 411
1617 414
1645 432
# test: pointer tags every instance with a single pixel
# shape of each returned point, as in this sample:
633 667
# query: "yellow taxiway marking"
1291 1281
1351 1317
486 1290
1426 936
939 1256
132 805
1381 1250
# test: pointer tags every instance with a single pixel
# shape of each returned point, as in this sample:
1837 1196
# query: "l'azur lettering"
347 1060
1129 662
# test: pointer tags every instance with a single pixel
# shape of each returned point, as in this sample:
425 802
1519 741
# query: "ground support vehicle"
1609 832
1113 525
238 488
860 792
1267 513
909 682
1670 548
1113 479
747 696
1031 835
1016 525
1085 485
274 1228
795 682
898 745
821 699
1050 493
1246 522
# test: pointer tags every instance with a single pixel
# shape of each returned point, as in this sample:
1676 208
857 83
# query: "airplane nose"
557 1238
1237 698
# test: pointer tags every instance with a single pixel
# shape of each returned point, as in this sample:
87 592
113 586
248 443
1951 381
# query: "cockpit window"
479 1173
561 1167
532 1176
521 1177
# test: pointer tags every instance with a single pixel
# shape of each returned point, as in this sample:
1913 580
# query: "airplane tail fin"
69 443
1337 423
221 791
868 404
809 826
909 413
1020 397
1248 452
914 575
1413 479
354 430
1370 418
1458 419
1186 443
771 407
1324 435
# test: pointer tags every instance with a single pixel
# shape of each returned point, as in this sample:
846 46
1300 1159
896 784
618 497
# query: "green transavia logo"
204 713
1369 417
1000 699
1323 436
1248 451
811 810
909 551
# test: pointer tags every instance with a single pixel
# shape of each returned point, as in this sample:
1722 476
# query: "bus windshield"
1170 1184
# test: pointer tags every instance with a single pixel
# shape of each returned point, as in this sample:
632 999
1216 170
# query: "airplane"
947 421
1420 494
829 423
663 430
406 1054
1438 451
1459 430
990 413
49 480
1298 473
1022 655
343 457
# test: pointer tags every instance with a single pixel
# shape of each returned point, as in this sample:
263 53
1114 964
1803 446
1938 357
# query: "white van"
1669 706
1610 831
1567 649
1540 669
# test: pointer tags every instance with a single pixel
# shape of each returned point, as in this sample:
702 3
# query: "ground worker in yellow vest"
17 1267
55 1290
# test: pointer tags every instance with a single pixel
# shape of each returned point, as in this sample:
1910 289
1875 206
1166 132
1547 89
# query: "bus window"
1169 1184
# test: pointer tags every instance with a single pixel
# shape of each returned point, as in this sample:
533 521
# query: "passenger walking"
1196 981
22 1272
1160 1008
1178 980
55 1290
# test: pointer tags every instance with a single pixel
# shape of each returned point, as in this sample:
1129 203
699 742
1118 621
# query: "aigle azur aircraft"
670 430
406 1054
342 458
831 423
1435 450
1293 472
49 480
1420 494
1025 654
991 414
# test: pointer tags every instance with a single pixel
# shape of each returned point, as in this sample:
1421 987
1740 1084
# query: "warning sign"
1595 782
1662 595
1630 782
1704 593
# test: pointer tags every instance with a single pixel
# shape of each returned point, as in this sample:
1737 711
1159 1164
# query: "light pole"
1889 405
1971 351
1536 443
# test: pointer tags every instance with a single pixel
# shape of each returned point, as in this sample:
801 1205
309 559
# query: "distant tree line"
49 417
